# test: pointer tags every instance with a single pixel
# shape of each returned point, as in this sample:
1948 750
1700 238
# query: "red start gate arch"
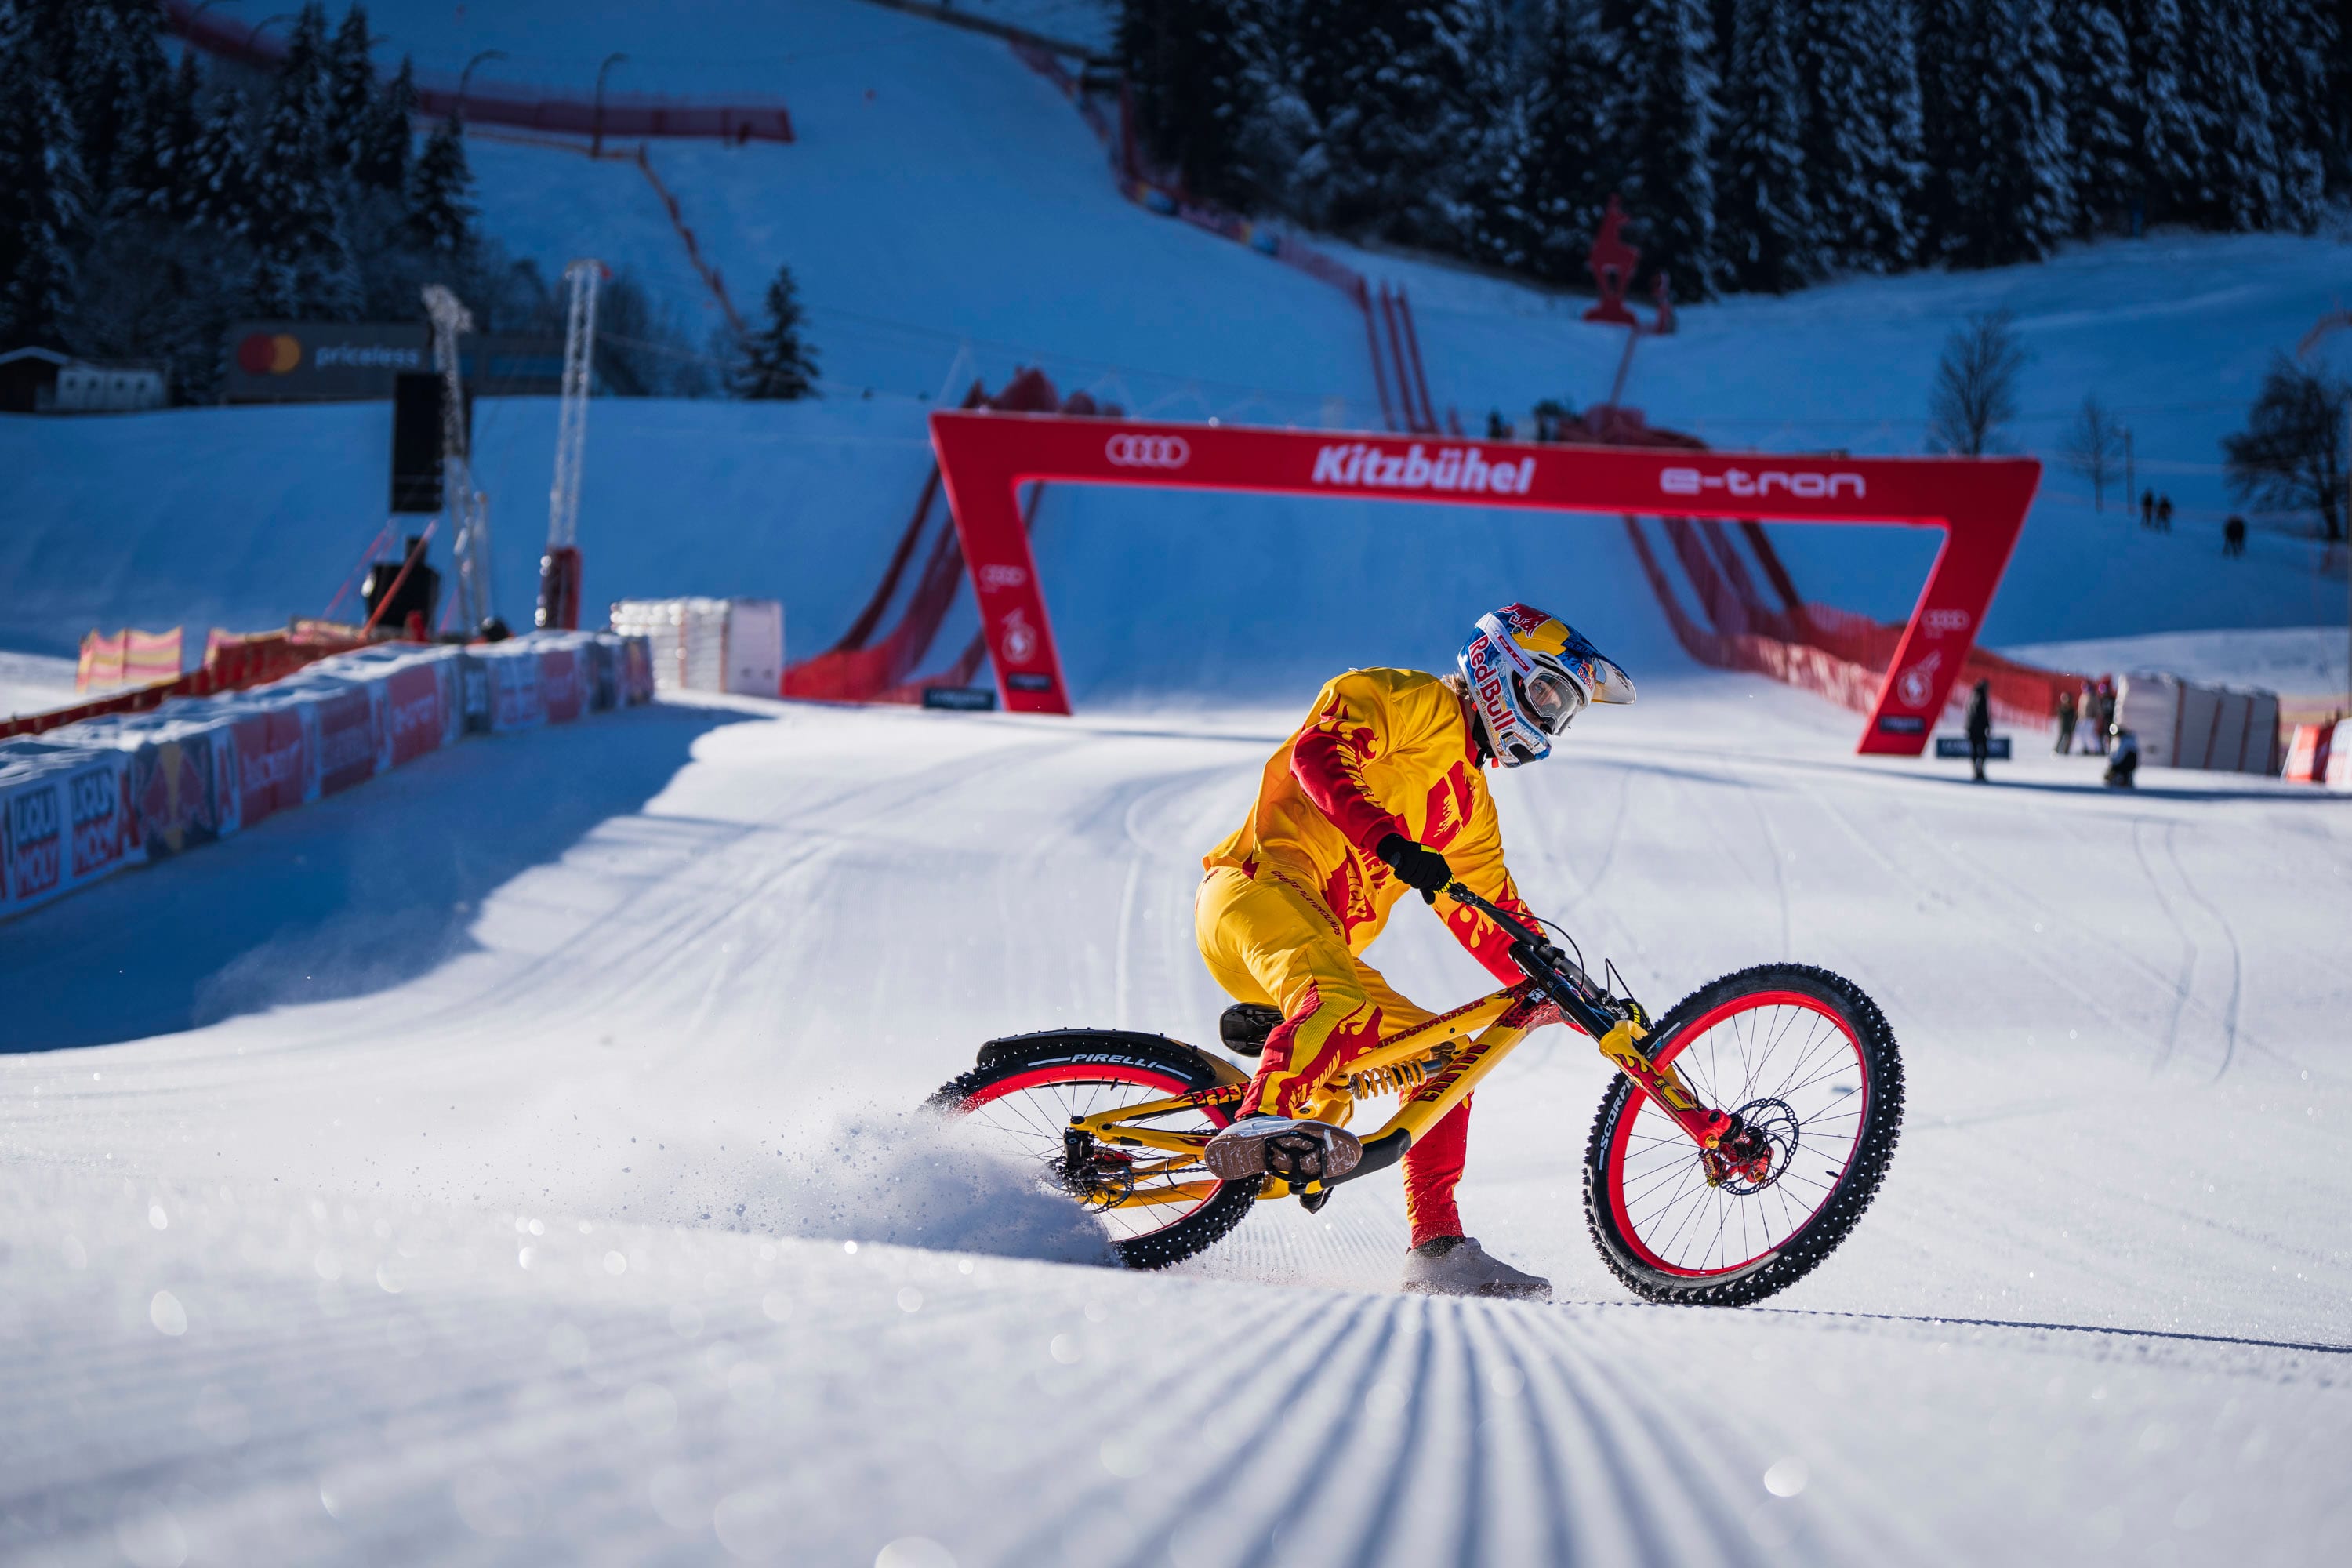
1978 502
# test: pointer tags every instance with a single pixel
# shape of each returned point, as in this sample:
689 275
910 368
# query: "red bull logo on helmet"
1487 667
1455 470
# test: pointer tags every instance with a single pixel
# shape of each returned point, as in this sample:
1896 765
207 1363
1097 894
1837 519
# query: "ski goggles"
1551 699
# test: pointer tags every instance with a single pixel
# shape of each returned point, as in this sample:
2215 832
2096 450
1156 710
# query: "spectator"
2164 514
2107 705
2233 536
1497 427
2124 766
2095 739
2066 711
2148 510
1980 726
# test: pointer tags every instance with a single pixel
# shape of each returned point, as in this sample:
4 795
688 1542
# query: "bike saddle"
1245 1025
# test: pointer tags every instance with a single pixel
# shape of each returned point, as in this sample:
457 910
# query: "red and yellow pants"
1267 939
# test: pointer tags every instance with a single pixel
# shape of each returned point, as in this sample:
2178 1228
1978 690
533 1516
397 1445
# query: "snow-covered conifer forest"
1762 145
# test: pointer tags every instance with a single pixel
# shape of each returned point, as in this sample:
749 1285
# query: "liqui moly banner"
1979 503
68 821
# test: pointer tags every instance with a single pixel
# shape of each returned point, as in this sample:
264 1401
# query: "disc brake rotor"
1753 1158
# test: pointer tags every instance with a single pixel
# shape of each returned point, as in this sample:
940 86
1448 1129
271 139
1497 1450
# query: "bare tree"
2291 453
1976 384
2095 448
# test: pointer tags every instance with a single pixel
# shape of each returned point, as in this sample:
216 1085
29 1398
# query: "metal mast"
469 516
559 579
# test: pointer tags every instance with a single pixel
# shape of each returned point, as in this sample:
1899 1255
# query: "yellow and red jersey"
1385 751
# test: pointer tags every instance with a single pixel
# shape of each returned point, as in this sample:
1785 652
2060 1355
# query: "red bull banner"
1979 503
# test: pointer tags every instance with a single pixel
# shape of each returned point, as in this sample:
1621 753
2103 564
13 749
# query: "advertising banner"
559 684
309 361
347 730
414 712
273 761
174 785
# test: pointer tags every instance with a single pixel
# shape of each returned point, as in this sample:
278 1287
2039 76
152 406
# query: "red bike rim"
1653 1168
1041 1134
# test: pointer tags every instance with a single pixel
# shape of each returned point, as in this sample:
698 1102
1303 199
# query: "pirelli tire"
1748 1280
1114 1057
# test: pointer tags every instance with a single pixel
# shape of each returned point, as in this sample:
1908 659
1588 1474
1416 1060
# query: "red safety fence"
128 657
1836 653
861 666
232 662
621 114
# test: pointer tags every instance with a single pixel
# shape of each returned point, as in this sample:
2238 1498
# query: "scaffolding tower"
560 568
468 508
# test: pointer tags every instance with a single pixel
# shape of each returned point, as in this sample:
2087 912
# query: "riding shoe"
1291 1148
1458 1266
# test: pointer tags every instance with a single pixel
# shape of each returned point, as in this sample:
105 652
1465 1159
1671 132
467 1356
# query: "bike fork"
1707 1129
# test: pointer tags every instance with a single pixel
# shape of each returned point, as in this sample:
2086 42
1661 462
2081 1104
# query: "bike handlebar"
1587 1003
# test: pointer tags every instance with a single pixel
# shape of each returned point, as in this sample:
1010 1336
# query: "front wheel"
1809 1064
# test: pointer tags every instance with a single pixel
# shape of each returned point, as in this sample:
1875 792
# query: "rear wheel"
1809 1064
1027 1092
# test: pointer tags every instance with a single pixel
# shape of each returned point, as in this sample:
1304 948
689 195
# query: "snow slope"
499 1208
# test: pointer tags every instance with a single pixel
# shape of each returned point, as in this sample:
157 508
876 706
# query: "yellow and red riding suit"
1298 893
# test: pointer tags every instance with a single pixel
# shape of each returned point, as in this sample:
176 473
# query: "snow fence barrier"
2216 727
89 798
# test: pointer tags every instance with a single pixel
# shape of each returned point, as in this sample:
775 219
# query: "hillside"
961 221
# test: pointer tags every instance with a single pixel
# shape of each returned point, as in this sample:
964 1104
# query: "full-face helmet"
1530 674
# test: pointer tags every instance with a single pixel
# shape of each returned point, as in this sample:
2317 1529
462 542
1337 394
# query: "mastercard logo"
268 354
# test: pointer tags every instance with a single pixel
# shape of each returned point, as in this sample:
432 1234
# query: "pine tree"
2095 62
1571 159
2167 131
440 217
302 262
1861 137
1298 148
292 205
1952 67
2296 43
1764 215
1396 151
380 159
217 189
774 364
110 60
44 200
2237 180
173 131
2336 119
1668 123
1188 68
351 90
2023 199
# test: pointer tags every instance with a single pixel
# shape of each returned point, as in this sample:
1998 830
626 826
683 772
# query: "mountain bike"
1744 1136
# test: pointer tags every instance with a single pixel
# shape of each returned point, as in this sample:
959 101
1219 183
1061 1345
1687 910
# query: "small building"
43 381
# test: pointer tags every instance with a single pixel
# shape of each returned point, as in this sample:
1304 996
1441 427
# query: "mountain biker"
1380 791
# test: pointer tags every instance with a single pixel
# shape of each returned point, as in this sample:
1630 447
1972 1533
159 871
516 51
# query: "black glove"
1416 867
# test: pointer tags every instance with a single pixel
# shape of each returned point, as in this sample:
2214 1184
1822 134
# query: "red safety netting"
619 114
232 662
863 668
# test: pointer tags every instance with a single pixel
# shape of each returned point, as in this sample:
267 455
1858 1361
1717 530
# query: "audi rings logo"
1133 451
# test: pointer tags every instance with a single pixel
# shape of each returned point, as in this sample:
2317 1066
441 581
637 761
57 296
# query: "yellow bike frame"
1455 1049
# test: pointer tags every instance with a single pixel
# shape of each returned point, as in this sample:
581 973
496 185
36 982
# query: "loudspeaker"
417 403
